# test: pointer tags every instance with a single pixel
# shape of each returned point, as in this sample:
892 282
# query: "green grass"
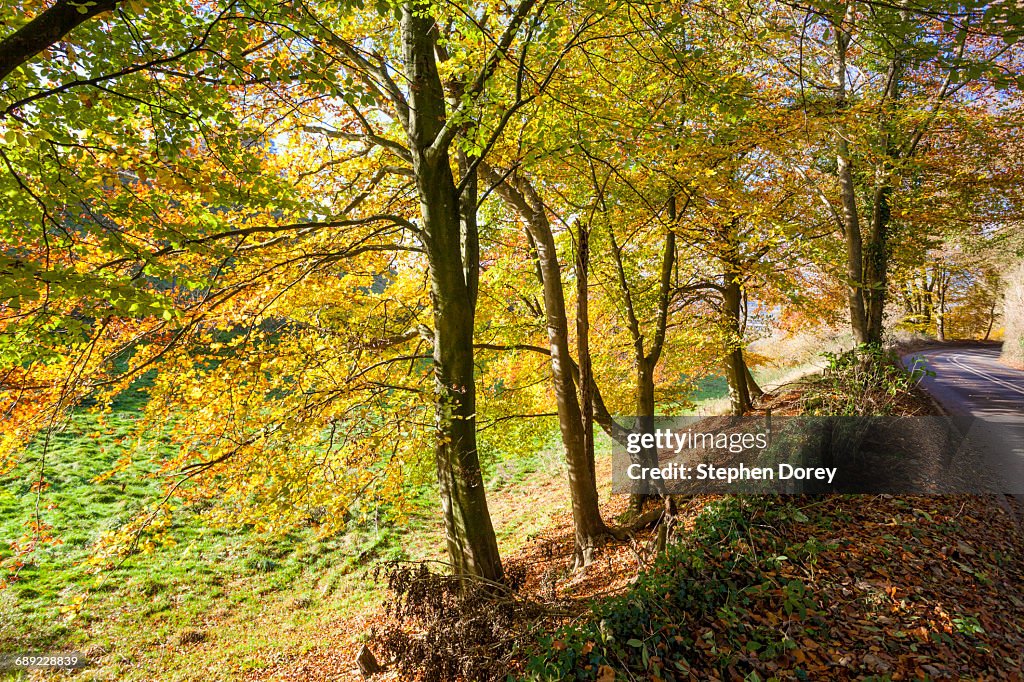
216 580
251 597
710 389
711 394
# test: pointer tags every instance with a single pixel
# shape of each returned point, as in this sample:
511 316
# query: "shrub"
688 612
867 380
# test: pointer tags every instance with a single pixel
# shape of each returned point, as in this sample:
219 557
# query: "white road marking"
957 359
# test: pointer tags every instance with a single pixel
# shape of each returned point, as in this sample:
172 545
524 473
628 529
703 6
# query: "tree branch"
47 28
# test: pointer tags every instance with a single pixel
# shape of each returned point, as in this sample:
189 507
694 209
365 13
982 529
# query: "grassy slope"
251 594
253 600
249 601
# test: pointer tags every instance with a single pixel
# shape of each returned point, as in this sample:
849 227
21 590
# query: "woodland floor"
903 587
909 587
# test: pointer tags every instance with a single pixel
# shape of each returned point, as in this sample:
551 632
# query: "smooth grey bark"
590 529
450 242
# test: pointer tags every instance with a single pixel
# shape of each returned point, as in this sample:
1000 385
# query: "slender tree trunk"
1013 315
589 526
647 362
648 456
736 372
908 300
644 385
940 315
927 304
991 318
867 260
735 366
876 285
876 266
450 238
470 232
586 378
848 193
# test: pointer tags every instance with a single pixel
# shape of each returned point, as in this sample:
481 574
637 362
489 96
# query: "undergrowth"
658 629
826 588
441 627
867 380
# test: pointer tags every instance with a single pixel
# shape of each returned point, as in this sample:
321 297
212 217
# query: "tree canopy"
345 244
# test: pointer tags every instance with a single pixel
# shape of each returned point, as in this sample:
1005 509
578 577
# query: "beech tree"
355 85
339 243
888 74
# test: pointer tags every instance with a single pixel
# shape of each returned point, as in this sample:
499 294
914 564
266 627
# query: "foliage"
250 593
770 588
867 380
221 198
659 626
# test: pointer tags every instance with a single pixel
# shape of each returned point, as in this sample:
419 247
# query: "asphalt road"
971 381
987 398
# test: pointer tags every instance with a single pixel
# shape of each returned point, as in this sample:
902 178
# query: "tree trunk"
940 315
647 457
991 318
731 321
590 528
848 194
735 366
449 240
908 301
647 361
927 304
644 423
867 263
586 378
876 266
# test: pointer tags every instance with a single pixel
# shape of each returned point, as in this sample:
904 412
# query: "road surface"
971 381
972 384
